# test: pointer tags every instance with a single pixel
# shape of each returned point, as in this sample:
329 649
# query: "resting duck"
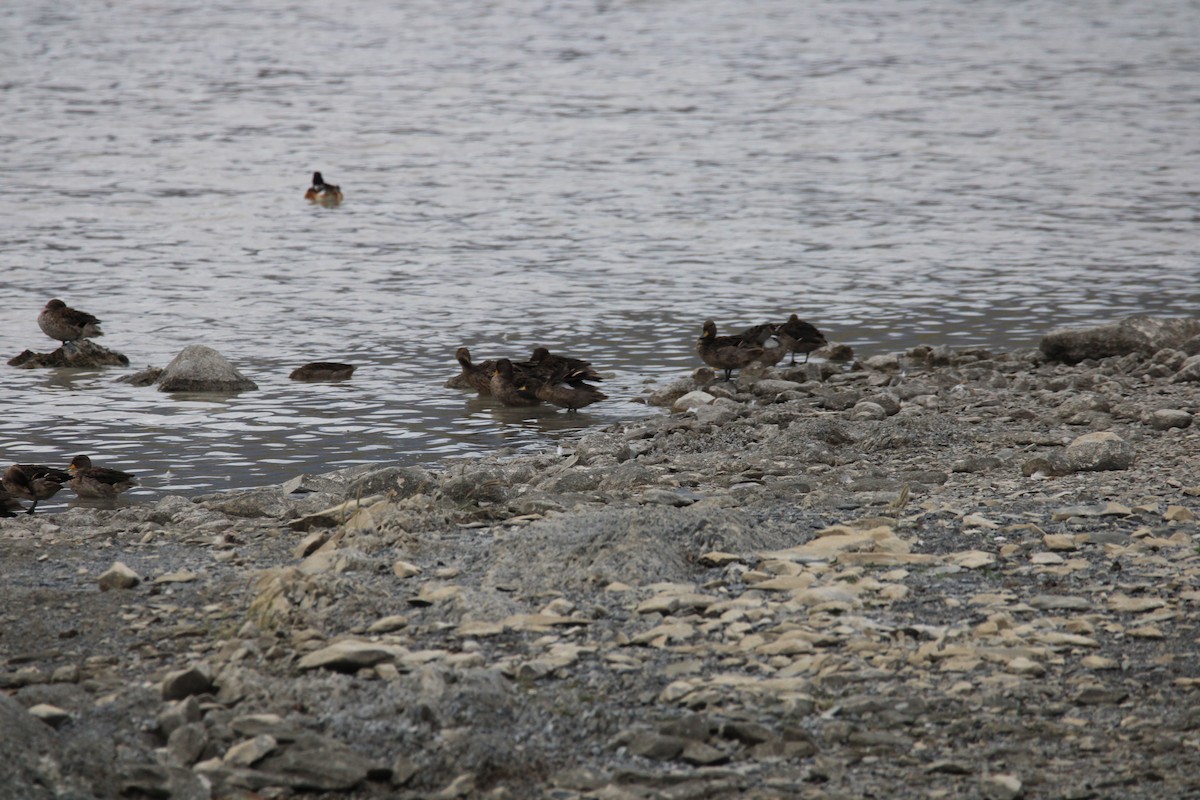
726 352
575 369
477 376
61 322
563 391
767 337
322 371
323 193
89 481
33 482
799 336
513 385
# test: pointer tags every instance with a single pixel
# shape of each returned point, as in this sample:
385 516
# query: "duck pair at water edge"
545 377
37 482
767 344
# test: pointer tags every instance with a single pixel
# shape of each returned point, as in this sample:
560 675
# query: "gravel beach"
937 573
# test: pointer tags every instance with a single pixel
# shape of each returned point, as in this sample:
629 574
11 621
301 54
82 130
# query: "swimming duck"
33 482
799 336
726 352
322 371
562 391
61 322
576 369
324 193
89 481
477 376
513 385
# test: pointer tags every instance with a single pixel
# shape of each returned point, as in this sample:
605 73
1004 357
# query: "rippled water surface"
595 177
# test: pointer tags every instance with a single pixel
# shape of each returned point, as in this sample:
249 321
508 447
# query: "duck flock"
544 377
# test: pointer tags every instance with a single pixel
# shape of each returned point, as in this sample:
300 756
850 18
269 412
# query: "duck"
726 352
513 385
33 482
65 324
89 481
576 369
322 371
323 193
476 376
767 337
562 391
799 336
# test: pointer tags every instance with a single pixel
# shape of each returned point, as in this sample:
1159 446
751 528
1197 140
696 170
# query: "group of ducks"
37 482
767 344
544 378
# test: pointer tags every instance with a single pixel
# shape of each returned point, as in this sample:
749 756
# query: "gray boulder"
201 369
1144 335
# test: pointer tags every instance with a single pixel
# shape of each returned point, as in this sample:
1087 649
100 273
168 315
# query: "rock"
176 714
1166 418
1100 451
201 369
1189 371
349 655
118 576
693 399
187 742
146 377
246 753
316 763
1001 787
186 682
53 716
1144 335
79 354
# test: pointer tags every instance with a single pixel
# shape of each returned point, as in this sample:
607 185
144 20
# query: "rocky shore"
938 573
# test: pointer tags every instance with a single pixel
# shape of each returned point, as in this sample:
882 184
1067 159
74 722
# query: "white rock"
119 576
692 400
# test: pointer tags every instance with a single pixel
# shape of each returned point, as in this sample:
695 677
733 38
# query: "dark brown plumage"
34 482
725 352
570 394
477 376
89 481
799 336
322 371
65 324
514 387
576 369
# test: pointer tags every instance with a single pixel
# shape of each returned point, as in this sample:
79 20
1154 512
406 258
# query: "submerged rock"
201 369
80 354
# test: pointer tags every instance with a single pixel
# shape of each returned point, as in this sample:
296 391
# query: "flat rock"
201 369
1144 335
350 655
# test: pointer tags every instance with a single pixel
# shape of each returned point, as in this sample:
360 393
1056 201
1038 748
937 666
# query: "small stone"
693 399
1167 418
53 716
1100 451
244 754
349 655
405 569
388 624
1059 541
187 742
118 576
1179 514
186 682
1002 787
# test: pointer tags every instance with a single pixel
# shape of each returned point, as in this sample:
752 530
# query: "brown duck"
34 482
726 352
477 376
767 337
571 394
575 369
60 321
514 385
322 371
89 481
799 336
322 193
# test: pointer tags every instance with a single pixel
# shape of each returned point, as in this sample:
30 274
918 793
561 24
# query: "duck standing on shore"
767 337
726 352
323 193
89 481
799 336
65 324
33 482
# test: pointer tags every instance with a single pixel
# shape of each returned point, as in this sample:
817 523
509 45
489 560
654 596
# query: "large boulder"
80 354
201 369
1144 335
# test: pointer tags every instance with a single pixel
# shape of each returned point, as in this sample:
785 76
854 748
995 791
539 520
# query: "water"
594 177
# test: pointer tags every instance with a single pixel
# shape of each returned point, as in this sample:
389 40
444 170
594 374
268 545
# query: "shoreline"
949 571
